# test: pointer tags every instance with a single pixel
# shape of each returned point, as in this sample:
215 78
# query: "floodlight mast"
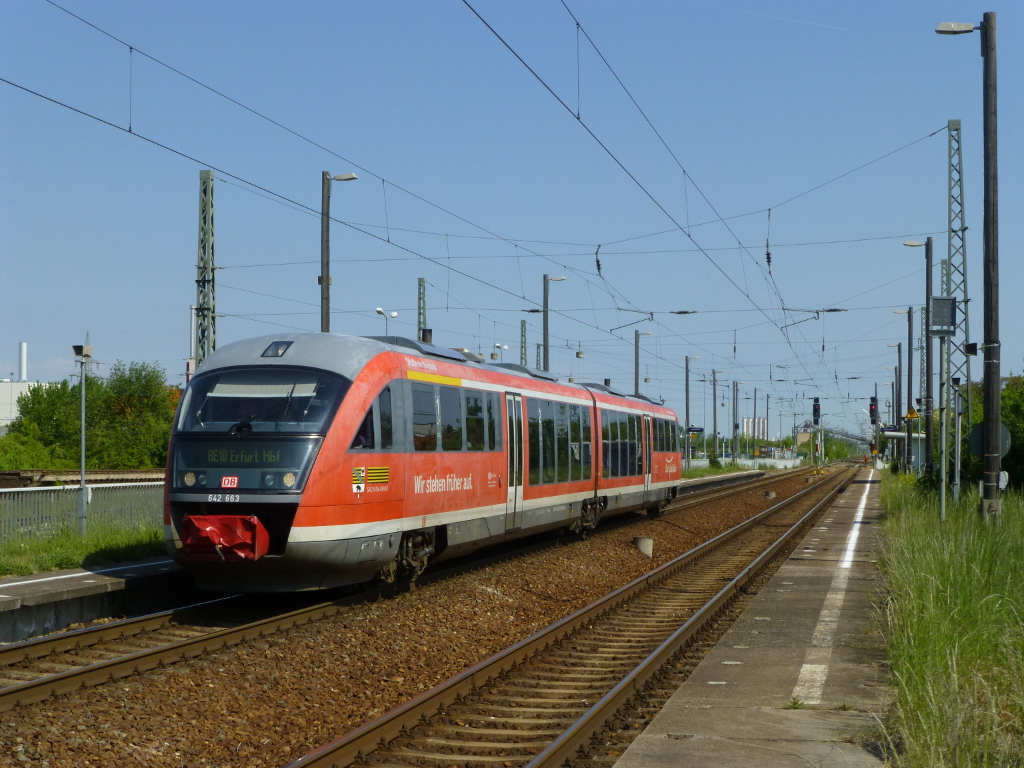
991 504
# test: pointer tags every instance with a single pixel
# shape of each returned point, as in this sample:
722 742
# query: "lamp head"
954 28
380 311
346 177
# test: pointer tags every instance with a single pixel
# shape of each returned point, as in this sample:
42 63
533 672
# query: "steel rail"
76 639
95 673
397 722
37 690
568 744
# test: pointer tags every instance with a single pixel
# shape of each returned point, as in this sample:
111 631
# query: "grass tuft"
66 549
955 635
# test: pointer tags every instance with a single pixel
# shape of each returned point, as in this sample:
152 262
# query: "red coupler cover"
224 537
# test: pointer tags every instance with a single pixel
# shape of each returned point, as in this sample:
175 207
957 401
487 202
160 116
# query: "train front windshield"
253 429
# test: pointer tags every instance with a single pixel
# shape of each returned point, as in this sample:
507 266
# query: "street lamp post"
325 248
714 407
909 451
83 353
929 431
547 280
386 315
898 387
636 359
686 441
991 504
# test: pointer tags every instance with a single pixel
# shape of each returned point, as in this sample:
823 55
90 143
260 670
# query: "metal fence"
31 513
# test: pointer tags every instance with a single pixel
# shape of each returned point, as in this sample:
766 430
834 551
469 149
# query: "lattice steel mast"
954 269
206 289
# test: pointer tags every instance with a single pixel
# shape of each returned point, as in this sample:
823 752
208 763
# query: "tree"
1011 413
48 414
21 452
128 420
134 422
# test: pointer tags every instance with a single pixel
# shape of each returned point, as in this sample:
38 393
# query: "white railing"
41 512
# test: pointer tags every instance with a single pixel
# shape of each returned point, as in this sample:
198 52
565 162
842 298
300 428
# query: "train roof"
347 355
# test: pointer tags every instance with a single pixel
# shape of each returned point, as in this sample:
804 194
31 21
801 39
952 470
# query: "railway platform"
49 602
800 677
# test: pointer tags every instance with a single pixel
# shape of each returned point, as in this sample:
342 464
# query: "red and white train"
313 460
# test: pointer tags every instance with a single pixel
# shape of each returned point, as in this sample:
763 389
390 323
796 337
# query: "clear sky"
484 165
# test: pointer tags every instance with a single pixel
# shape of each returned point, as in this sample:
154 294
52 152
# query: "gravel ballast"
269 701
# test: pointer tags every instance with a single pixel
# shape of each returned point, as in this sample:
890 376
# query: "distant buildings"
10 391
756 428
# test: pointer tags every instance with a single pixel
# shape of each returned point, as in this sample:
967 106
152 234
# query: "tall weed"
955 633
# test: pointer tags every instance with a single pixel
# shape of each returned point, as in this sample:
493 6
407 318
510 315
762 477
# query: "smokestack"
23 361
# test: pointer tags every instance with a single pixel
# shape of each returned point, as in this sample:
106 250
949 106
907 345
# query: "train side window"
636 466
424 418
623 444
575 454
606 443
533 432
476 423
451 419
610 420
387 430
363 438
662 441
547 411
562 453
493 421
586 446
611 453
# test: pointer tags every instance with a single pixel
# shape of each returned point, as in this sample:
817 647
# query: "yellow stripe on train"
434 378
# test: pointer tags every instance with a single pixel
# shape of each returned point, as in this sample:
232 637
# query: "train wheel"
389 573
414 553
591 515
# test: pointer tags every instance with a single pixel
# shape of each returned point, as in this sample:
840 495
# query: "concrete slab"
49 602
799 679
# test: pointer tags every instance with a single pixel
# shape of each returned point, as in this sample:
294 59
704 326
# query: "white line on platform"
811 682
10 584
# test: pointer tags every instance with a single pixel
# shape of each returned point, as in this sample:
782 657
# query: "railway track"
538 703
34 670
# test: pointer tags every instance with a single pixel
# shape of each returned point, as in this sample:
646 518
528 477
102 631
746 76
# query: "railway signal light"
874 410
817 412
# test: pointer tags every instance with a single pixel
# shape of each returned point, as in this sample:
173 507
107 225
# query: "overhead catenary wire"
307 210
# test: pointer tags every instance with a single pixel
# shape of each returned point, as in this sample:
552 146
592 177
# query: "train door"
514 446
648 461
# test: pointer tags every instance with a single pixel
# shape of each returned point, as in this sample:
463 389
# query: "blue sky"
474 176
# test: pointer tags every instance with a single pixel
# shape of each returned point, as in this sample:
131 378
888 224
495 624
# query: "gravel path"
268 702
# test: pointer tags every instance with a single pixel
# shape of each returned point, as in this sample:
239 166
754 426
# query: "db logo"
229 481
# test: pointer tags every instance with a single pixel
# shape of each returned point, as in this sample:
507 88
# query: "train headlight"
201 479
268 480
288 479
190 479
